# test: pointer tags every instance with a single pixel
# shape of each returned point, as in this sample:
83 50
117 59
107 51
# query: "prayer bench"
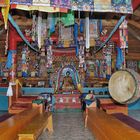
36 127
107 127
10 127
110 107
128 120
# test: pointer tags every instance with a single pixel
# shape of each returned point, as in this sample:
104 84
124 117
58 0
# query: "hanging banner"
123 31
25 2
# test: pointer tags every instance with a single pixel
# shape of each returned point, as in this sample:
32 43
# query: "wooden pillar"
13 49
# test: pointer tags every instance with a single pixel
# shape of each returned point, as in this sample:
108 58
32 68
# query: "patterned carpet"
68 126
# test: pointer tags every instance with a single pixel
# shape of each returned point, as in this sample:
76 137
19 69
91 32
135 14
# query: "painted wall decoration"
132 64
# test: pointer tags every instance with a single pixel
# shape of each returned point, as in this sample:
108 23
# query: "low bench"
110 107
107 127
36 127
10 127
128 120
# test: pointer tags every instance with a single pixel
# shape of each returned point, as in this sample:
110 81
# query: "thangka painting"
102 5
66 33
41 2
122 6
25 2
93 28
82 5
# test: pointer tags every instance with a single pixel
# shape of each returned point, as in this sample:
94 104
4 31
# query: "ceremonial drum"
124 86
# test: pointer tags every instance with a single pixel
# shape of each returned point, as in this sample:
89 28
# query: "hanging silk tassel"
81 26
5 11
39 29
6 42
87 32
34 28
120 58
75 33
123 35
100 26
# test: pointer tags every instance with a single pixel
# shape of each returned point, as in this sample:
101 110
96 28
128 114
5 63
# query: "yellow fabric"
5 12
18 82
79 86
39 8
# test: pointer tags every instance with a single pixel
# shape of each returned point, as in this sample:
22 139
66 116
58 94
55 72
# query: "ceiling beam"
137 13
134 23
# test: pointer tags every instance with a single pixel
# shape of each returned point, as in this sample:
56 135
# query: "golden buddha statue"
68 82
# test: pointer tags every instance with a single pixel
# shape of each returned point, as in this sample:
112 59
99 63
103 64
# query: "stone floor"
68 126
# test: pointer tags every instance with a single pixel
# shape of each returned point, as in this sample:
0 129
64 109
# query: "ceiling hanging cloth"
82 5
41 2
5 11
25 2
51 21
120 58
68 18
65 3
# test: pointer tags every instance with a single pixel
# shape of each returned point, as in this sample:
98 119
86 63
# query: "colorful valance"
118 6
82 5
41 2
25 2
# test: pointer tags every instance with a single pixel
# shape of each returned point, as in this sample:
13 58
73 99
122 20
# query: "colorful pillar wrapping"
123 38
123 35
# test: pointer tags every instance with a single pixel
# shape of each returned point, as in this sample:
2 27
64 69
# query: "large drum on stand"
124 86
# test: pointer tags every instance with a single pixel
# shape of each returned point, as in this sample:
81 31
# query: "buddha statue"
67 83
